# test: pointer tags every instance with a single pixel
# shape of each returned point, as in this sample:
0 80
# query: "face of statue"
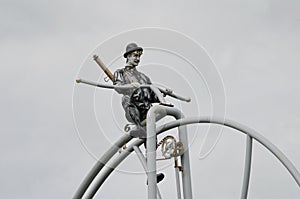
133 59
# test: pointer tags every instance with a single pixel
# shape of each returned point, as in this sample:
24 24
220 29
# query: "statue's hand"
135 85
169 91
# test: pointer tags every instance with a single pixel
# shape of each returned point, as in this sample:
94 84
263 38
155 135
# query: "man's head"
133 54
133 58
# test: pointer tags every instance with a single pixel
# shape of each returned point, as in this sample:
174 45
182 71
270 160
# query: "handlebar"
128 86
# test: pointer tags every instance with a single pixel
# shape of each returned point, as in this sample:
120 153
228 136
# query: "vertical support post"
144 163
177 178
185 161
151 151
247 169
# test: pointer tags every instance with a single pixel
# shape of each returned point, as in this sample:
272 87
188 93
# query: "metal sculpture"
146 128
135 101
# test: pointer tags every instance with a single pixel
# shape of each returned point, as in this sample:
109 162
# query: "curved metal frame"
251 134
151 150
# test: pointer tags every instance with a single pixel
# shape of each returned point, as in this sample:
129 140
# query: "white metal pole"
247 168
144 164
177 178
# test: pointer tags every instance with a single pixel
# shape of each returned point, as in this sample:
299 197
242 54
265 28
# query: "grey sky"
254 44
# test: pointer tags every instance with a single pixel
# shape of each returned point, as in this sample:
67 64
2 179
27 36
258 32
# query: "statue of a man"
137 101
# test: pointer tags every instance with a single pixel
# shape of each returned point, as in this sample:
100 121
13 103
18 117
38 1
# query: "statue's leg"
133 114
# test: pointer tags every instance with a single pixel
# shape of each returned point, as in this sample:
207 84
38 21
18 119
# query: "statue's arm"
148 80
118 80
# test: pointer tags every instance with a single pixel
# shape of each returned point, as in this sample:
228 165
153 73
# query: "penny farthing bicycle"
172 149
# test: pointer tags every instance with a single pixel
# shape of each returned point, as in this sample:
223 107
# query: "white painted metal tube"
229 123
151 150
185 157
104 175
102 161
242 128
79 80
100 164
178 188
247 168
125 87
144 164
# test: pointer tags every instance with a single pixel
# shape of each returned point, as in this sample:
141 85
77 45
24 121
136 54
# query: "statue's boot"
139 132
